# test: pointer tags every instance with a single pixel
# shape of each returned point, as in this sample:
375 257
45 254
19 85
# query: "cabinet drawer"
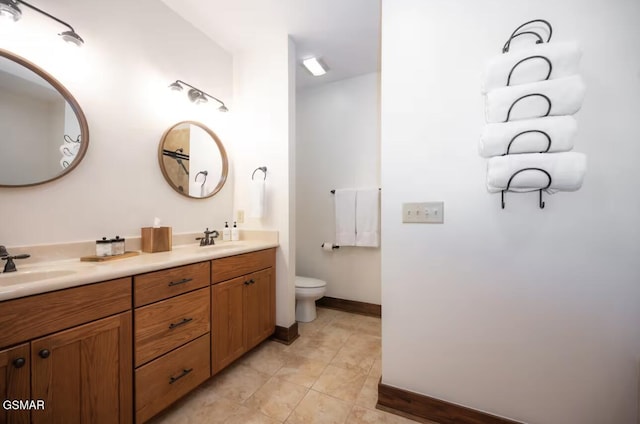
234 266
34 316
161 382
163 326
154 286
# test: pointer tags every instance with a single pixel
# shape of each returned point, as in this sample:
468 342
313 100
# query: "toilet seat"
309 283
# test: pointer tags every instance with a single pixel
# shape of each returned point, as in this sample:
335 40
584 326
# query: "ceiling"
344 33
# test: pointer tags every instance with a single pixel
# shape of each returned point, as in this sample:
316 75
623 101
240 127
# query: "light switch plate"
423 213
240 218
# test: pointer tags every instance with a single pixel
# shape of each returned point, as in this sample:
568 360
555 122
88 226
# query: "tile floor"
329 375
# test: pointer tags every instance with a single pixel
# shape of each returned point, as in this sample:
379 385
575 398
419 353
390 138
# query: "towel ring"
261 168
205 173
530 95
528 58
540 202
515 34
526 132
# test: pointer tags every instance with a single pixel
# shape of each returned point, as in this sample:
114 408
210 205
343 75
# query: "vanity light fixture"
315 66
10 10
196 95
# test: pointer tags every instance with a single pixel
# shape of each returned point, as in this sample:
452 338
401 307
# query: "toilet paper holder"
333 246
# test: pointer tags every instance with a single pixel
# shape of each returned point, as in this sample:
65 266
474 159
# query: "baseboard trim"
406 403
286 335
352 306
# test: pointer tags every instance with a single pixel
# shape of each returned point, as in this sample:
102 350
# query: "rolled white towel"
528 136
565 169
526 101
563 60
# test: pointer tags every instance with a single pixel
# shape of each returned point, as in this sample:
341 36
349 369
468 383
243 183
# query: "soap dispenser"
226 232
235 234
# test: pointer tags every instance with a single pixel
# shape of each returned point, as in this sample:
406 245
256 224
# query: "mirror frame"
75 106
223 154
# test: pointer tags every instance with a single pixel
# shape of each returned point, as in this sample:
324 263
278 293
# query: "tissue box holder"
156 239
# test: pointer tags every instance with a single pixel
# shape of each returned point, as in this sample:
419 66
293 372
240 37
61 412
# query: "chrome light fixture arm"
176 84
70 36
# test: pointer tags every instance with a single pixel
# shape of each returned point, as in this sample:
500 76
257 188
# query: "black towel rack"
333 246
539 40
334 192
540 202
527 132
261 168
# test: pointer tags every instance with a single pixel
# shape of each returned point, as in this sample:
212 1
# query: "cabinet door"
14 382
84 374
260 307
227 322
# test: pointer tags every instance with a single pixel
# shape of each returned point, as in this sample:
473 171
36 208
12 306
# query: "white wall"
265 133
526 313
338 146
132 51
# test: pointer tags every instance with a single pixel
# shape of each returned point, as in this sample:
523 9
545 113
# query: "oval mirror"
43 131
193 160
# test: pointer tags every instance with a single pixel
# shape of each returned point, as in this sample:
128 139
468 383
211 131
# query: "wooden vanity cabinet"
14 382
72 349
172 335
242 305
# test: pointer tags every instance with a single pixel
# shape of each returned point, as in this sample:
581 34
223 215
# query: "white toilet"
308 290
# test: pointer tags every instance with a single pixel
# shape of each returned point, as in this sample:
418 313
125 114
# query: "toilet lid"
307 282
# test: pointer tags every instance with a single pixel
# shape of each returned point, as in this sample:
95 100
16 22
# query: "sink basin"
21 277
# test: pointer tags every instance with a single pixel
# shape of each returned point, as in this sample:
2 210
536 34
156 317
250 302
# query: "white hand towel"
256 198
564 59
565 94
345 204
368 217
566 170
525 136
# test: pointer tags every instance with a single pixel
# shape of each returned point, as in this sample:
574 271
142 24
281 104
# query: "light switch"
424 212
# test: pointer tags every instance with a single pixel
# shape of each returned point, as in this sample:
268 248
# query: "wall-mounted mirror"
43 131
193 160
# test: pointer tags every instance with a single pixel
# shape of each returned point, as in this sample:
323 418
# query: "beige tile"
372 327
238 383
360 351
341 383
368 396
335 333
376 369
360 415
310 328
267 357
277 398
318 408
216 412
301 370
313 349
249 416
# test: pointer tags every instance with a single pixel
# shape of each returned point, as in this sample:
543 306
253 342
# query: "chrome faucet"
10 266
206 240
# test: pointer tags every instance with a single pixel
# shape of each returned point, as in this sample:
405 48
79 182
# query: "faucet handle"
3 252
10 266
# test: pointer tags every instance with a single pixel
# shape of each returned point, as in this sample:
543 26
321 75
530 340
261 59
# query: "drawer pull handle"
19 362
182 374
178 324
184 280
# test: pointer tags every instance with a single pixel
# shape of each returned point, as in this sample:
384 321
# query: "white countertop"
44 277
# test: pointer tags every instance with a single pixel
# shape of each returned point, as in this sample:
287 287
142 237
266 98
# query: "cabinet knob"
19 362
44 353
246 283
251 281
